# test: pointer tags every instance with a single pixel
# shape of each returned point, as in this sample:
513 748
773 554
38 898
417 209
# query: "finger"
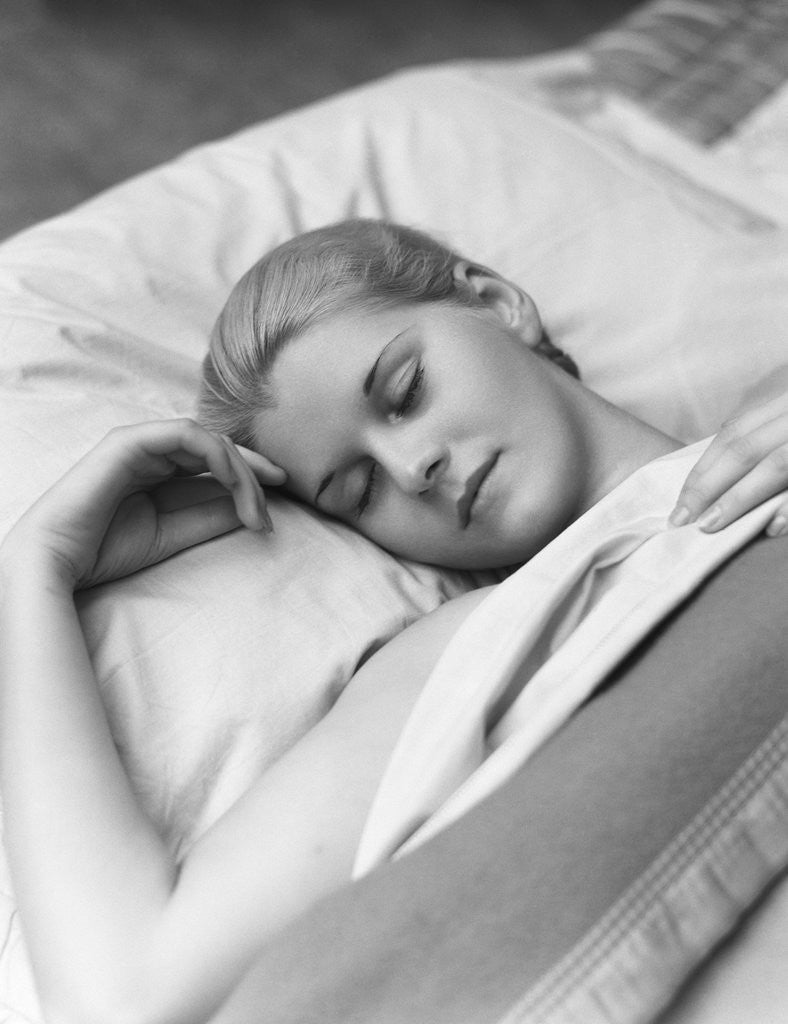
255 469
764 481
155 451
778 527
730 456
248 494
160 449
182 491
265 470
184 527
192 449
216 454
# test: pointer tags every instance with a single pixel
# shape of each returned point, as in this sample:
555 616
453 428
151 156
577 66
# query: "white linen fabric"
104 315
551 632
214 662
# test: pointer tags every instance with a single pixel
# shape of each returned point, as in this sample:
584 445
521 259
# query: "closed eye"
410 396
368 492
406 402
413 390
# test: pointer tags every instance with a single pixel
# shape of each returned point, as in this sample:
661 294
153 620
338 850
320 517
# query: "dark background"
93 91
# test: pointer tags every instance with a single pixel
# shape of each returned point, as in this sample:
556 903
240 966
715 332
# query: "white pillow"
212 662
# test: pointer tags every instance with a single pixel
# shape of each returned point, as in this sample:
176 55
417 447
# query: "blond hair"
316 275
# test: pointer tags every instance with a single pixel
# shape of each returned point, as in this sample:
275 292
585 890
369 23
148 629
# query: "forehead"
340 341
317 384
334 357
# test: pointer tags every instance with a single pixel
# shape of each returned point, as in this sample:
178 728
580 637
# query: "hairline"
358 301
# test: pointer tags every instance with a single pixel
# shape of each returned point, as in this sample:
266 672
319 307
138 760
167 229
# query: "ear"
510 303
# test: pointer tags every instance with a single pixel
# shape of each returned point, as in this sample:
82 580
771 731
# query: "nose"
414 464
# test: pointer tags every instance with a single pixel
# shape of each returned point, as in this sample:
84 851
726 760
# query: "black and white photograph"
393 562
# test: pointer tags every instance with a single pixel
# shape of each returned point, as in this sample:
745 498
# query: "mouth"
472 487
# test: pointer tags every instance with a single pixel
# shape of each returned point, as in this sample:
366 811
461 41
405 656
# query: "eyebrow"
369 380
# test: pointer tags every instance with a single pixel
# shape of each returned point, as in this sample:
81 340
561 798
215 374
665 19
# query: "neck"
616 442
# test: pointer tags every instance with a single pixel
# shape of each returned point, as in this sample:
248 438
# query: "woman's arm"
515 890
292 837
117 931
746 463
89 870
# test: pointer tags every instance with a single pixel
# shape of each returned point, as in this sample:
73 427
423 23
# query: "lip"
472 487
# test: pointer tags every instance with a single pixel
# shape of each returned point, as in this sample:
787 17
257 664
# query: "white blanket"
540 644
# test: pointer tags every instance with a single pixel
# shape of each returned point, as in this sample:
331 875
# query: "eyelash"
413 390
405 404
369 490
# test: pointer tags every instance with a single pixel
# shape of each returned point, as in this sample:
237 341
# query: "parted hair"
306 280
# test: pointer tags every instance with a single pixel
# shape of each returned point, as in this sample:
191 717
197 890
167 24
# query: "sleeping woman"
398 387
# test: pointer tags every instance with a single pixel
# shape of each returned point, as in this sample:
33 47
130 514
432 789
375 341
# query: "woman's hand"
746 463
119 509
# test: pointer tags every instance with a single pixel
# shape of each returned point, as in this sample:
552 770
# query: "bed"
637 185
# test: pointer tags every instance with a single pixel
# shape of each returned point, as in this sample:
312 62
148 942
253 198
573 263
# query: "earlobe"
510 303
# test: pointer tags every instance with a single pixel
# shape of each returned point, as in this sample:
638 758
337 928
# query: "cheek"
406 530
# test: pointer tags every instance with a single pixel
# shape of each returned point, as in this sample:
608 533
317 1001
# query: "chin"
504 555
505 561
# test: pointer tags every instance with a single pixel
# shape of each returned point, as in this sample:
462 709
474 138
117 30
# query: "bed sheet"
104 314
696 87
594 594
717 134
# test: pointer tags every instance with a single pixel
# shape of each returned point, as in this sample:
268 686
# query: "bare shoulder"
360 731
291 838
398 671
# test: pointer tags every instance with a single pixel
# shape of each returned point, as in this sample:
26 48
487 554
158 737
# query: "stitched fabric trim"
629 966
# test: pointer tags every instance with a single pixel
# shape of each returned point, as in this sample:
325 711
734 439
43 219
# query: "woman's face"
432 429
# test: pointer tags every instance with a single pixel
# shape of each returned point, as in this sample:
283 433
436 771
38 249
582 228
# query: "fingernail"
777 527
265 519
709 520
680 515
